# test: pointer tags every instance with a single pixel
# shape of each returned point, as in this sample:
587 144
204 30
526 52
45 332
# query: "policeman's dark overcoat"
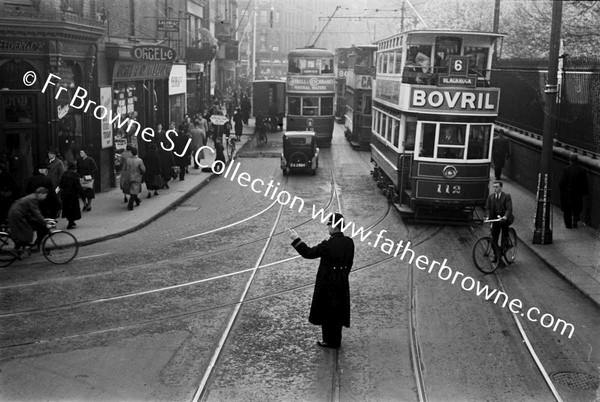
331 297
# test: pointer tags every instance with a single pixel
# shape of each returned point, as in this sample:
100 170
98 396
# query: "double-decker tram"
359 85
433 120
310 91
340 70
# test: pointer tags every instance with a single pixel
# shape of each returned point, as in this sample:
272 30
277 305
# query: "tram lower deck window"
326 106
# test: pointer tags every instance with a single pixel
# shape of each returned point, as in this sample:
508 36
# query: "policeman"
330 306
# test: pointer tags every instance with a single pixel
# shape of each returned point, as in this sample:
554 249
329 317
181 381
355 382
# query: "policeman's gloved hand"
292 233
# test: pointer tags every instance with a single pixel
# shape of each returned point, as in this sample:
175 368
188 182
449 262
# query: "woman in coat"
124 157
166 157
152 164
86 167
70 192
134 172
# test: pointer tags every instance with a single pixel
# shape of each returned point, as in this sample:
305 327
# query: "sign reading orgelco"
153 53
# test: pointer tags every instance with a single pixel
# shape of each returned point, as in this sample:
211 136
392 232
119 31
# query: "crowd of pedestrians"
61 188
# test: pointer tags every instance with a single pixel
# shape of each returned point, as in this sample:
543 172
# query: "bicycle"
58 246
487 254
261 138
230 147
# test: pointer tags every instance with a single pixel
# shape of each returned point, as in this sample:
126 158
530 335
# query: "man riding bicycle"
24 217
499 204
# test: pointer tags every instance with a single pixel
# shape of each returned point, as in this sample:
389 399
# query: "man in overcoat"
499 204
500 153
573 187
330 307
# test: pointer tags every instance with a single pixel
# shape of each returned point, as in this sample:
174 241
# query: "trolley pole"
543 216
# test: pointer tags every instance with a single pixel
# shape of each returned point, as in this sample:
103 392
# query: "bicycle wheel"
7 250
510 252
60 247
485 255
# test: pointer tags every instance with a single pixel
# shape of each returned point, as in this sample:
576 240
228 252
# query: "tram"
268 97
341 70
359 82
433 120
310 91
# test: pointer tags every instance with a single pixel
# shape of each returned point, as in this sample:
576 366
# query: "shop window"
19 109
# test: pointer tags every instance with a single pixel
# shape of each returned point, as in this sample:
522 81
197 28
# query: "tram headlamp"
449 172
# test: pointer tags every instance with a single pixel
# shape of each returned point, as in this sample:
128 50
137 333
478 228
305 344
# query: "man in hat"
56 168
330 306
573 187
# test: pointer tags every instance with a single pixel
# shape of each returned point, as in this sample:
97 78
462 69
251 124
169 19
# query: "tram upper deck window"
418 58
446 46
326 66
477 57
310 106
294 65
398 64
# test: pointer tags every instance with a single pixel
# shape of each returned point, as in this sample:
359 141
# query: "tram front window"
428 140
479 141
310 106
326 106
294 106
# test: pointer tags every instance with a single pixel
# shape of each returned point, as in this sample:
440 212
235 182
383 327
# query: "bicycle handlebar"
492 220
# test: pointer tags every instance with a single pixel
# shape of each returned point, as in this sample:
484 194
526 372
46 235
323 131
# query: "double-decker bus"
310 91
341 70
433 120
359 84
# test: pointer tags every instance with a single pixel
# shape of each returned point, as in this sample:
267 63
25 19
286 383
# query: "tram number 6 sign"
448 189
459 65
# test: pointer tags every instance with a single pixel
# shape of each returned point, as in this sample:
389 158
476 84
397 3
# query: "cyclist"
24 217
499 204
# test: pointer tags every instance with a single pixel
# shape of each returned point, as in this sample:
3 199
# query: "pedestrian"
152 176
245 107
219 151
134 171
70 192
330 307
573 187
500 153
198 134
237 123
86 167
182 150
50 205
124 157
56 168
166 157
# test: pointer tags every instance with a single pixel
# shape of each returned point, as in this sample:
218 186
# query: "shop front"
177 93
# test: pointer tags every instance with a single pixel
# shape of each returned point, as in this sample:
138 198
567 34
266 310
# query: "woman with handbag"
134 172
70 192
86 167
152 177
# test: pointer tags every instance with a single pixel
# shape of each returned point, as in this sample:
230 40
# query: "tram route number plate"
297 165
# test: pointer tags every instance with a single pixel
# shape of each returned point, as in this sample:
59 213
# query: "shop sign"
178 79
153 53
364 82
106 129
168 25
124 71
310 84
474 101
29 46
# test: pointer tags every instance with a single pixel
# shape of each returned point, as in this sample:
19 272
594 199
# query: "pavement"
574 254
